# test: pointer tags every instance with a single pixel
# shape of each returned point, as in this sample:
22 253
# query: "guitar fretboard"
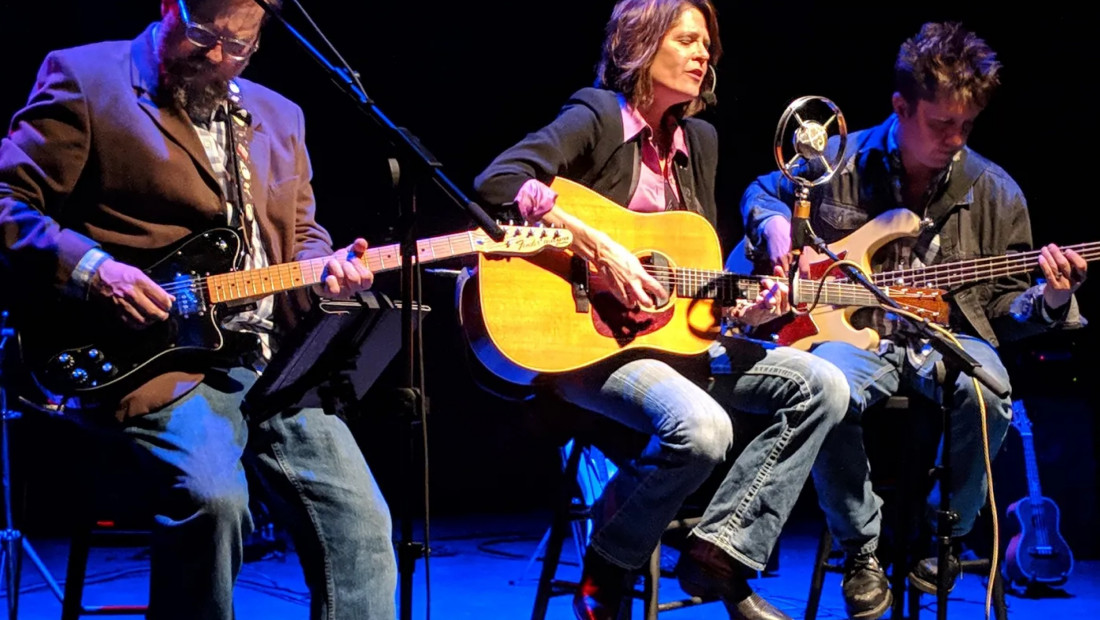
728 287
708 283
951 275
237 285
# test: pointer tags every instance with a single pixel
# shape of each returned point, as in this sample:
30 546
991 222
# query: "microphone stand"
954 362
419 165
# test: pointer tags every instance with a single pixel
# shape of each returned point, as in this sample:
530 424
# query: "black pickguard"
86 352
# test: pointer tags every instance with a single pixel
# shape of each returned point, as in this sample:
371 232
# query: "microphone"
810 139
708 95
799 129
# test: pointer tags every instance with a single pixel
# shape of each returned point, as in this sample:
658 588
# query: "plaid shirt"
254 320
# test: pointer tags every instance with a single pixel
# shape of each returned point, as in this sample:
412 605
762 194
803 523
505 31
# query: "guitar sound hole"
661 268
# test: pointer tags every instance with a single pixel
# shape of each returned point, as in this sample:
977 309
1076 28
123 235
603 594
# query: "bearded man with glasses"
135 146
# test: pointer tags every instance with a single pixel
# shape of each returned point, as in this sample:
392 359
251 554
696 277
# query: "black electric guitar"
1037 553
72 349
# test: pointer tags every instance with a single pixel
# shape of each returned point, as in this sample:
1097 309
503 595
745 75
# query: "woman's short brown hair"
634 34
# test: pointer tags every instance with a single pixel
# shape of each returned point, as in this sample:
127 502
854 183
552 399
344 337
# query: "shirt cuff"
1050 315
535 199
85 270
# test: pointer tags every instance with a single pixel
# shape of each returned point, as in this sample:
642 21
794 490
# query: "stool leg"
652 587
556 539
75 571
817 581
1000 610
914 603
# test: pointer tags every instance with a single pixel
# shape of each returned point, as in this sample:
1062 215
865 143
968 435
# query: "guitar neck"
1032 466
728 287
722 286
835 293
251 283
952 275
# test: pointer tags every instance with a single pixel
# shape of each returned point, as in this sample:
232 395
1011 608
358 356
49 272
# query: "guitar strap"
685 181
238 175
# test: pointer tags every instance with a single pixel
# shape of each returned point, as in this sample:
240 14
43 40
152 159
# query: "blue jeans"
319 485
691 432
803 398
842 474
689 435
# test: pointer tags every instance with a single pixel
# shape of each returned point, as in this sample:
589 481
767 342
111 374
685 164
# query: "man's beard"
185 82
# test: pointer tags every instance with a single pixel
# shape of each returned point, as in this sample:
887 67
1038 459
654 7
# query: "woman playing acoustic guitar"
635 140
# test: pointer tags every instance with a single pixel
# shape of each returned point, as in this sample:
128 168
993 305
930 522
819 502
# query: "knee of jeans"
708 434
225 504
998 409
836 395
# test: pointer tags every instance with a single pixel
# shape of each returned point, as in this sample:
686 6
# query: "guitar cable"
982 411
983 415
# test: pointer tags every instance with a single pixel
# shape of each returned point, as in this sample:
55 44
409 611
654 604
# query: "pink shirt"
535 199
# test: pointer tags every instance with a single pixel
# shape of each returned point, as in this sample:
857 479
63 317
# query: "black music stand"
331 359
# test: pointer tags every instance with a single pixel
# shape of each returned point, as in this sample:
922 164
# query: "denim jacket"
980 212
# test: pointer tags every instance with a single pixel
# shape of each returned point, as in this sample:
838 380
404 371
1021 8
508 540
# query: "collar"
635 124
897 168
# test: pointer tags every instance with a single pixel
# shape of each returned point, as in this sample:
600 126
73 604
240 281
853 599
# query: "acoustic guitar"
1037 553
553 313
90 354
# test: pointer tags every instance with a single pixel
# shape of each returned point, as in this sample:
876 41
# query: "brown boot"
705 571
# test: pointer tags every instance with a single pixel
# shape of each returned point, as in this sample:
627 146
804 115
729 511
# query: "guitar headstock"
523 240
927 303
1019 417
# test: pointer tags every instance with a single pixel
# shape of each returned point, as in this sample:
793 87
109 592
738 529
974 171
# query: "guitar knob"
108 369
65 361
95 355
79 376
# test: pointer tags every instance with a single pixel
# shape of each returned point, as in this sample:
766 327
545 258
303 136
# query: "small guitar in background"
1037 554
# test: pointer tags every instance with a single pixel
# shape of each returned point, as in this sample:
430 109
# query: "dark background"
471 78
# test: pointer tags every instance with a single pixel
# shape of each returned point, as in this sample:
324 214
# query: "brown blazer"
94 161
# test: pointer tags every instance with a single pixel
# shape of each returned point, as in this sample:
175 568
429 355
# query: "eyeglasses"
205 38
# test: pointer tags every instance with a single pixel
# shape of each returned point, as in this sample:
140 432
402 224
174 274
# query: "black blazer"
585 144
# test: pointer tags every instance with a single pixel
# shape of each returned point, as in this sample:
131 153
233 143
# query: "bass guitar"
94 356
1037 553
925 288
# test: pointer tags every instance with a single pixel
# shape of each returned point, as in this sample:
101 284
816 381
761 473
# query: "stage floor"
481 568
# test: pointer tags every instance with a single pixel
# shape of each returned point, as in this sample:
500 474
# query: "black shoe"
865 587
925 575
707 572
602 589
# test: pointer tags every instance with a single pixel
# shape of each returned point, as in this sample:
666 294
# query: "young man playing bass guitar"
918 160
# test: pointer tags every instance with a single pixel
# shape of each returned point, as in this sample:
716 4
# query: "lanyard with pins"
239 175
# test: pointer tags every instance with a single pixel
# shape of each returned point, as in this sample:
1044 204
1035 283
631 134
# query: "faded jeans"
317 483
803 399
842 474
691 433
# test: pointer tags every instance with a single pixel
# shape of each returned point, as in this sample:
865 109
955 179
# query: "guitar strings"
449 245
991 266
